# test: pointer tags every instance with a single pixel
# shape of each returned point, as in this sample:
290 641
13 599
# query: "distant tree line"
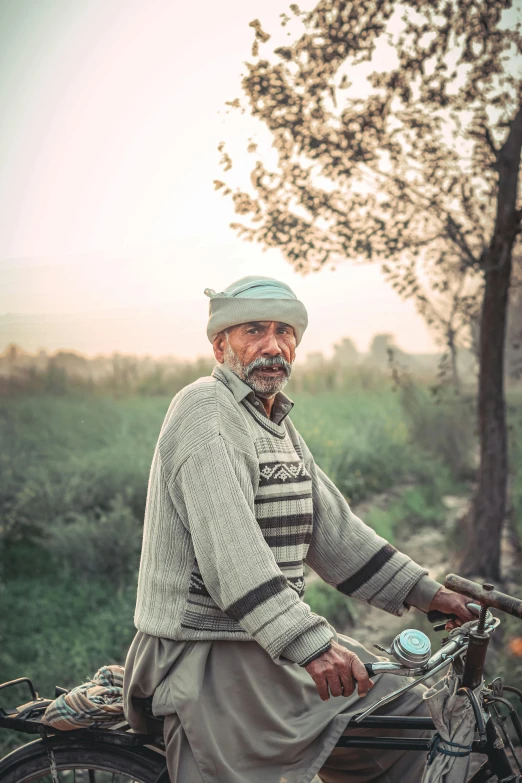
119 375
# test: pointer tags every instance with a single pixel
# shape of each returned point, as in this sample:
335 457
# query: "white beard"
263 387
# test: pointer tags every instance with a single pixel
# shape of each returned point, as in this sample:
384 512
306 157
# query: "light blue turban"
255 298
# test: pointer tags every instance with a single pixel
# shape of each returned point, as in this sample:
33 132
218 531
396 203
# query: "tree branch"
490 142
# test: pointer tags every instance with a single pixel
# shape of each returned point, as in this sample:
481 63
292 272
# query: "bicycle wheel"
82 762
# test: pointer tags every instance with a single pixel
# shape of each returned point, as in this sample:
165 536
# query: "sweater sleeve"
423 594
214 490
350 556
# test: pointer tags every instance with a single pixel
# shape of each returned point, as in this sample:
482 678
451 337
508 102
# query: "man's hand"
338 669
452 603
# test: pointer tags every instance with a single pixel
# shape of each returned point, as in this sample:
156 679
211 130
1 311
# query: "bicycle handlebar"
506 603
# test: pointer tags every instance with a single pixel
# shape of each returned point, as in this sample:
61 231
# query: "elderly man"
255 687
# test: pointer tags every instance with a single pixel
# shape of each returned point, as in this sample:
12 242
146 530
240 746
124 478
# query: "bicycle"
99 755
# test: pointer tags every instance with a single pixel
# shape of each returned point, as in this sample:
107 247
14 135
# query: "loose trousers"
344 765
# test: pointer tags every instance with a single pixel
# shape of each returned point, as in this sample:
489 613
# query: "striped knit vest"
284 511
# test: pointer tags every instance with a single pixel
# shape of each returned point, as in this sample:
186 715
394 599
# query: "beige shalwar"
235 716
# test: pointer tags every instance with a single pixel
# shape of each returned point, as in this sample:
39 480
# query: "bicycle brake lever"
434 616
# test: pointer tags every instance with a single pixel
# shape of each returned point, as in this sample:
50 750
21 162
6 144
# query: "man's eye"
253 330
282 330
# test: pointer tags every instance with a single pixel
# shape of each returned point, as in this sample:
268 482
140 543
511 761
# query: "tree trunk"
483 552
454 366
483 555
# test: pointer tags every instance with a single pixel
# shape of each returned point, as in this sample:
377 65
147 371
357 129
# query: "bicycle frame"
497 762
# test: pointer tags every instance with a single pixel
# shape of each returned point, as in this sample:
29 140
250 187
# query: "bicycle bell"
411 648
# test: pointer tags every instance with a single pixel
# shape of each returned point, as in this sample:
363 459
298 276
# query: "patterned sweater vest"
283 508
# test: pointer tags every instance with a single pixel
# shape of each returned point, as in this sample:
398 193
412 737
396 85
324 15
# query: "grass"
64 460
67 631
59 631
62 456
328 602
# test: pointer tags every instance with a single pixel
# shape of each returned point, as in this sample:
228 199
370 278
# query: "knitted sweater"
235 506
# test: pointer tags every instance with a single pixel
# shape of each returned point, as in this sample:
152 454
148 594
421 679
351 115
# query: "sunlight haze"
110 227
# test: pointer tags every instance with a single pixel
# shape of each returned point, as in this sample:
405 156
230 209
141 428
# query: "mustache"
264 362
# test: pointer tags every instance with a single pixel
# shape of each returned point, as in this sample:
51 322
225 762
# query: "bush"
360 440
329 603
101 545
72 456
444 427
410 508
59 632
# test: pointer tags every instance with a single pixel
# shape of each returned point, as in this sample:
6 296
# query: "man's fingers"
348 682
321 684
466 615
361 675
336 687
336 671
463 614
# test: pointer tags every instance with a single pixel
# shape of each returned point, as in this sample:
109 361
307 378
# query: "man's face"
261 353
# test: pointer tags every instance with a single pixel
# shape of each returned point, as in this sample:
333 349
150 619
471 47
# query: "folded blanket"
97 702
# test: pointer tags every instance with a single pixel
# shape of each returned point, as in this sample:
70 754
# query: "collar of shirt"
282 404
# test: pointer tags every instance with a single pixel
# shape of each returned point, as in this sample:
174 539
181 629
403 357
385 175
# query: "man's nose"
270 346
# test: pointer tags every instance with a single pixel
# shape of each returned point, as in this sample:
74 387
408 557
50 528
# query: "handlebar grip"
434 616
369 669
506 603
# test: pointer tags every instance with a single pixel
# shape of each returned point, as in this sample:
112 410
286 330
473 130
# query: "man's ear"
219 345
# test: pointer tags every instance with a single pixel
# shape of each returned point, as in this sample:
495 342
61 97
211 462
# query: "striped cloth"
97 702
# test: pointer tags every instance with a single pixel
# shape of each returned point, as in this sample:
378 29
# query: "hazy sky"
110 228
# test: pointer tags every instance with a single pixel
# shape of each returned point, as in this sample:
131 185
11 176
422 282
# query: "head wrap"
255 298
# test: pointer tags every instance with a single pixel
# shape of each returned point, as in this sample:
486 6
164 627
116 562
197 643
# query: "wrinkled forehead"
262 325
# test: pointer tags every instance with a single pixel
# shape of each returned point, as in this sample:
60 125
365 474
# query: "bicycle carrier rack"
27 719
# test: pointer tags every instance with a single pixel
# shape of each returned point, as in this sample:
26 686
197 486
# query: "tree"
346 353
397 129
514 324
381 347
450 307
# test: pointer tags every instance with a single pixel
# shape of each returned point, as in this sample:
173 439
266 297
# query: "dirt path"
429 548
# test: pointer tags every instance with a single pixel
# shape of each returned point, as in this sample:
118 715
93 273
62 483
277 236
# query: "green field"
73 478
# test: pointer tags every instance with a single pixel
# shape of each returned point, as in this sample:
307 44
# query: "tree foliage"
397 132
387 119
